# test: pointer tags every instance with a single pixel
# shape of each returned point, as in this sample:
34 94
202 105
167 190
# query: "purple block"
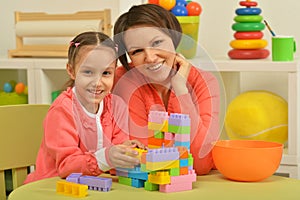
177 119
96 183
157 116
162 154
74 177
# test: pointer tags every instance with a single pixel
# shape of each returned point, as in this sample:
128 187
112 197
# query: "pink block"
182 137
176 187
169 136
189 178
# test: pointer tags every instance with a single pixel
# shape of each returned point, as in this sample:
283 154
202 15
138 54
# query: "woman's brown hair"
145 14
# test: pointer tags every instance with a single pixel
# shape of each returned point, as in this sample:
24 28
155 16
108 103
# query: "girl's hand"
134 144
181 72
123 156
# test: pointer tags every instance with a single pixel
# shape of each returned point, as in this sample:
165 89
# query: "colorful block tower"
168 164
248 43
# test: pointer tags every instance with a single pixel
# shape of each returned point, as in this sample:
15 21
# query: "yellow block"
154 166
71 189
159 178
158 127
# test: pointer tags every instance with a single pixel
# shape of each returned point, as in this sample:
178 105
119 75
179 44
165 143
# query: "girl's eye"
88 72
107 73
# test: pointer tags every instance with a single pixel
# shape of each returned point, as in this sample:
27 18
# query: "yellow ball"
257 115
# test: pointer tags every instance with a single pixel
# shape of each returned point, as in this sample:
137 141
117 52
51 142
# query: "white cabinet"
44 76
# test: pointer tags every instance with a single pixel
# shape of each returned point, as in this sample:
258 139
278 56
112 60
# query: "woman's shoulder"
197 74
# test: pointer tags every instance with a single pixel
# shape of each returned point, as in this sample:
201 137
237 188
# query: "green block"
190 160
158 134
179 129
124 180
174 172
151 186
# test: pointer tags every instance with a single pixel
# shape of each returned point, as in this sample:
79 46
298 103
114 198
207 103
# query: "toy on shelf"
188 15
14 93
248 43
167 165
93 182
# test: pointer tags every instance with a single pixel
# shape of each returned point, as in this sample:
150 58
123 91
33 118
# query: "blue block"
137 183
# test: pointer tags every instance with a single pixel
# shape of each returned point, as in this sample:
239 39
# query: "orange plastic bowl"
247 160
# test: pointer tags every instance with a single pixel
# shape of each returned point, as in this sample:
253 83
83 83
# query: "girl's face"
94 75
151 51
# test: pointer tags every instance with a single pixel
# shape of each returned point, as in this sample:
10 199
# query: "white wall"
215 31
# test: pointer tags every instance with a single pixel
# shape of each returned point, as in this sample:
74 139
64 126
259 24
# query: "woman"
160 79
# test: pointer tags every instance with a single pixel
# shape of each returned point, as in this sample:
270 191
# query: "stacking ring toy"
248 3
248 35
248 54
248 11
248 44
248 18
248 26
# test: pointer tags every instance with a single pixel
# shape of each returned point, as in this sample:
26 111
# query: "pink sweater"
201 103
70 137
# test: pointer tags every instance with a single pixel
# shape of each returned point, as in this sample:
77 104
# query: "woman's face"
94 75
151 51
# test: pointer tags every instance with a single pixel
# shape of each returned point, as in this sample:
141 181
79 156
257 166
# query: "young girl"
85 129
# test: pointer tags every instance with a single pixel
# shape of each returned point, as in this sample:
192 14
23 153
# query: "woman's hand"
123 156
181 69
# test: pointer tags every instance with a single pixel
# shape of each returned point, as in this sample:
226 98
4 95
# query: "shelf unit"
47 75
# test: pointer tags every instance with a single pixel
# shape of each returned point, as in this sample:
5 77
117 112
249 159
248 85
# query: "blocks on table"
93 182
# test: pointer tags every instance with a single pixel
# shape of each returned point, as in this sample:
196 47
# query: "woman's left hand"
181 69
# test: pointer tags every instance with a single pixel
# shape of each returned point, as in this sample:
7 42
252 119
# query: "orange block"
184 170
155 141
183 152
168 143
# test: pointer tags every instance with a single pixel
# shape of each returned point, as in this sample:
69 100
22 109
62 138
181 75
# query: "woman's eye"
157 43
136 51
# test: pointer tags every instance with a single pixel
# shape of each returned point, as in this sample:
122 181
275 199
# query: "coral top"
71 144
201 104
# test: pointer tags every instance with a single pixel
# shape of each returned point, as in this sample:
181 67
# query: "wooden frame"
54 50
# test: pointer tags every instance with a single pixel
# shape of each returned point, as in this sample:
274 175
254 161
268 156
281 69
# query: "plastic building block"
124 180
155 166
96 183
179 129
71 189
182 137
176 187
169 136
151 186
158 117
177 119
160 177
93 182
158 127
137 183
74 177
162 154
190 177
